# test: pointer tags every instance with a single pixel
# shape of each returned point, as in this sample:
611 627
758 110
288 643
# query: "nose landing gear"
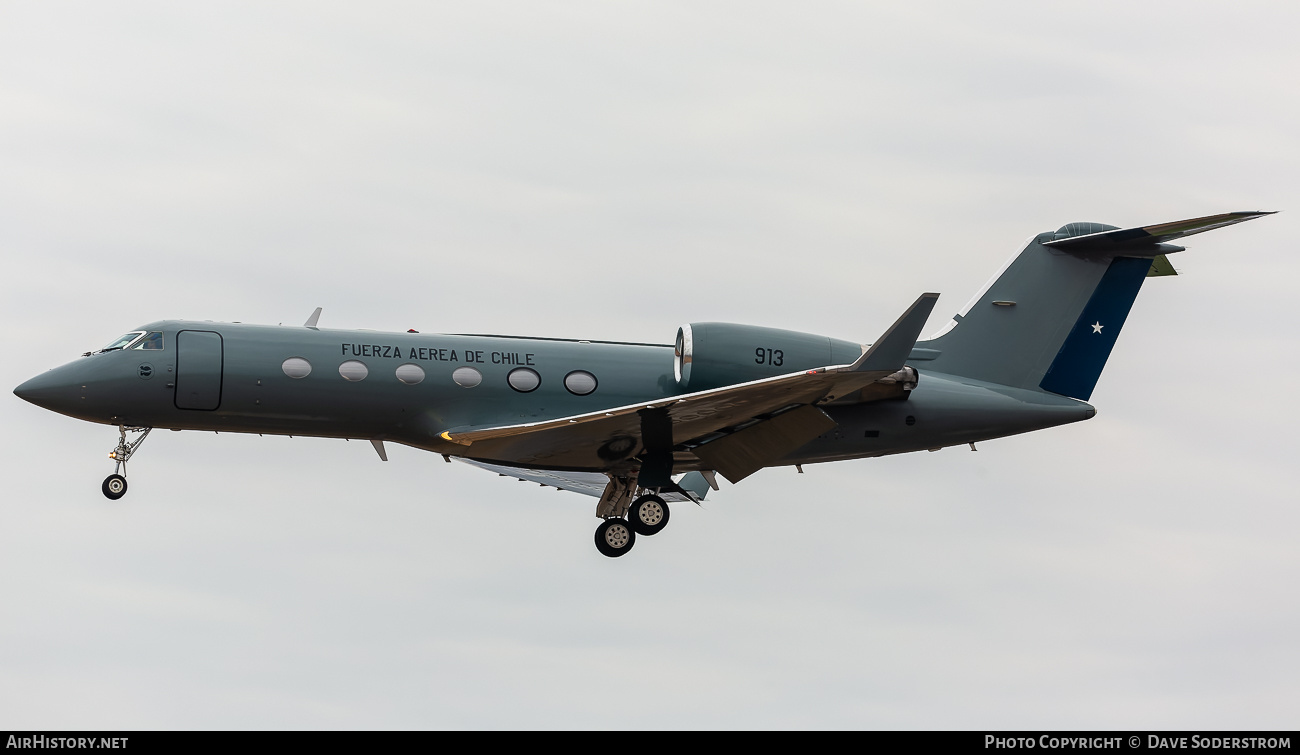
114 486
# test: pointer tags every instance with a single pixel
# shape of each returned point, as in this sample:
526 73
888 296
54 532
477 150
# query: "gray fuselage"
232 377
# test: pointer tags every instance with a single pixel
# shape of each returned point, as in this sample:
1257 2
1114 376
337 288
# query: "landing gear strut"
114 486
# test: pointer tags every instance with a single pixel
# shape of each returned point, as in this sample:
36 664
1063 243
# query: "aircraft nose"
50 390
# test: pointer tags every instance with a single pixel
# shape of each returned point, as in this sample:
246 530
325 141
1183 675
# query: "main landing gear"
114 486
625 518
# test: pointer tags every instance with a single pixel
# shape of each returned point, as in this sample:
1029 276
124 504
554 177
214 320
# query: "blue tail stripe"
1078 364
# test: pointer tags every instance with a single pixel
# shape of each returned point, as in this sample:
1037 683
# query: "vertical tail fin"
1050 318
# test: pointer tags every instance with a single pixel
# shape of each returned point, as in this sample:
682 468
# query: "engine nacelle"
713 354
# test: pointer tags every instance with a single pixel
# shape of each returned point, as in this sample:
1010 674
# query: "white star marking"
1097 326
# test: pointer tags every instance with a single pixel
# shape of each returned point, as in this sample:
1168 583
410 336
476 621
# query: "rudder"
1078 365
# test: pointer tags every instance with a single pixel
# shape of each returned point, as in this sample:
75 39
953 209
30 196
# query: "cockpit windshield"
122 342
151 342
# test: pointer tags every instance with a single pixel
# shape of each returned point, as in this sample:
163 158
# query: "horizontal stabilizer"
1081 238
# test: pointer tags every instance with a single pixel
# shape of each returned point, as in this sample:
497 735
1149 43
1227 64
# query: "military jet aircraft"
639 425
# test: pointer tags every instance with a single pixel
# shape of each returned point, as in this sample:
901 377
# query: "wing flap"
744 452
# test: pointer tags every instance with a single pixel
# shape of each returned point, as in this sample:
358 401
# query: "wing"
587 483
746 419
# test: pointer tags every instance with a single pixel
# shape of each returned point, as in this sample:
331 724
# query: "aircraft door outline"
200 363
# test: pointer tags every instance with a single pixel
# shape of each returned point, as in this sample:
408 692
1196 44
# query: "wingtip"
888 353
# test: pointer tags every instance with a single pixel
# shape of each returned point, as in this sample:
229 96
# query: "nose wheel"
114 486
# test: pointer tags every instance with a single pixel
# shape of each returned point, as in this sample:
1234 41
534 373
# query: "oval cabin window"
410 374
467 377
524 380
353 371
296 367
580 382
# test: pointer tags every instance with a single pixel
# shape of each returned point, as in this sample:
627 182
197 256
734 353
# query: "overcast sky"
610 171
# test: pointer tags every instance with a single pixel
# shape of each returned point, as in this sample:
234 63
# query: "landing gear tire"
614 537
648 515
114 487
